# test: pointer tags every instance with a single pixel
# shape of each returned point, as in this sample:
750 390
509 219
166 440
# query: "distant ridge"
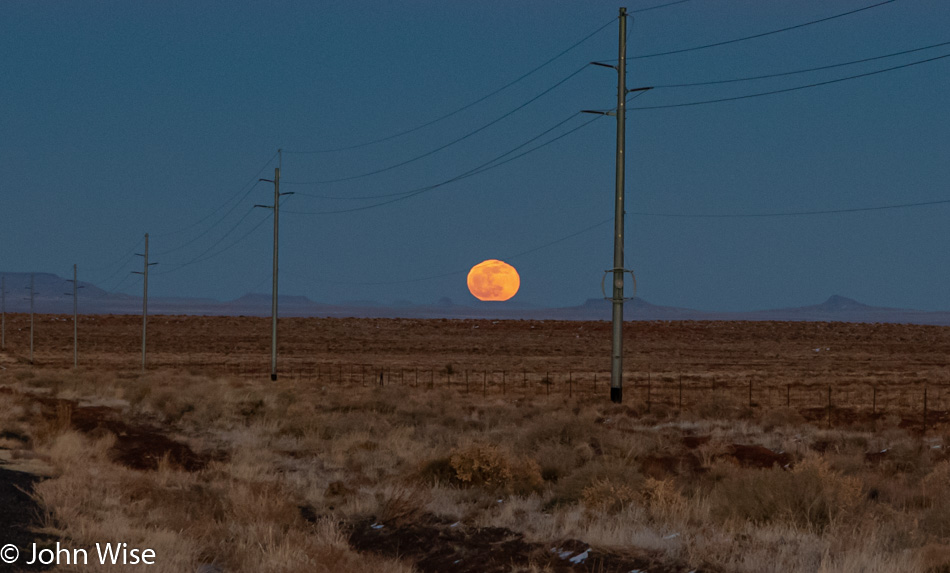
52 298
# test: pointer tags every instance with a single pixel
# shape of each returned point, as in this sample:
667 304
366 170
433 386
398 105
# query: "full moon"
493 280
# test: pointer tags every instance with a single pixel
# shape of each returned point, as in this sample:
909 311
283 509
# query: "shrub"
811 496
606 495
494 467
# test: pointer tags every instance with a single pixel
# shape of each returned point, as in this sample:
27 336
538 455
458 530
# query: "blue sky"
122 118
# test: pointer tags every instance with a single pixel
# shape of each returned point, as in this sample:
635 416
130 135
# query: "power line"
249 186
120 283
754 36
477 169
201 258
215 254
480 169
198 257
667 5
116 261
461 271
806 70
464 107
484 166
785 90
212 226
447 145
790 213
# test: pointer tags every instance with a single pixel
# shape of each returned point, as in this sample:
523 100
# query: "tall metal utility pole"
618 270
144 274
616 348
75 293
273 303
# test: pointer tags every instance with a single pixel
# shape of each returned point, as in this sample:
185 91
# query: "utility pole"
31 318
616 359
273 304
618 270
3 312
75 294
144 274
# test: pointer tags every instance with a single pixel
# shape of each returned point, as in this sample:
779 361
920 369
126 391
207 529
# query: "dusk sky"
121 118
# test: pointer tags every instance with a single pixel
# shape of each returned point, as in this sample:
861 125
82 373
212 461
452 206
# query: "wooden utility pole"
144 274
273 304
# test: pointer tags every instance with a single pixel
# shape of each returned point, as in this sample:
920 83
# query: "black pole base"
273 377
616 395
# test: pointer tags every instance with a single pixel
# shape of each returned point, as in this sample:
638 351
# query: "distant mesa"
54 295
837 303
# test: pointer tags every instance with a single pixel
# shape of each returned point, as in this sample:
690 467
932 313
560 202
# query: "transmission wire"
790 213
493 163
781 74
447 145
463 108
744 38
785 90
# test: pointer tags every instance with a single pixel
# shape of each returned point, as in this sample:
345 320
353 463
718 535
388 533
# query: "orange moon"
493 280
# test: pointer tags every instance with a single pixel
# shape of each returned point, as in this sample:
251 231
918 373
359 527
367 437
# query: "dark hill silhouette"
52 297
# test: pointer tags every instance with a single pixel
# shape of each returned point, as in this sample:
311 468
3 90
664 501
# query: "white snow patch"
580 557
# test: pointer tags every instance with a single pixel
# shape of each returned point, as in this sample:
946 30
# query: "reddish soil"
786 363
137 445
875 372
752 456
438 546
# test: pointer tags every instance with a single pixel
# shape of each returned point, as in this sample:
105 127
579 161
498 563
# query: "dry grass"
297 464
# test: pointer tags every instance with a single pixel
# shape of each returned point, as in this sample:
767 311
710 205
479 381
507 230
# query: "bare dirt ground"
873 367
480 445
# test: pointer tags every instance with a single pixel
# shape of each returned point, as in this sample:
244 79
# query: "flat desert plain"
478 445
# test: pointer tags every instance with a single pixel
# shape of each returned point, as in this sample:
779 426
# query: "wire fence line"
919 401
